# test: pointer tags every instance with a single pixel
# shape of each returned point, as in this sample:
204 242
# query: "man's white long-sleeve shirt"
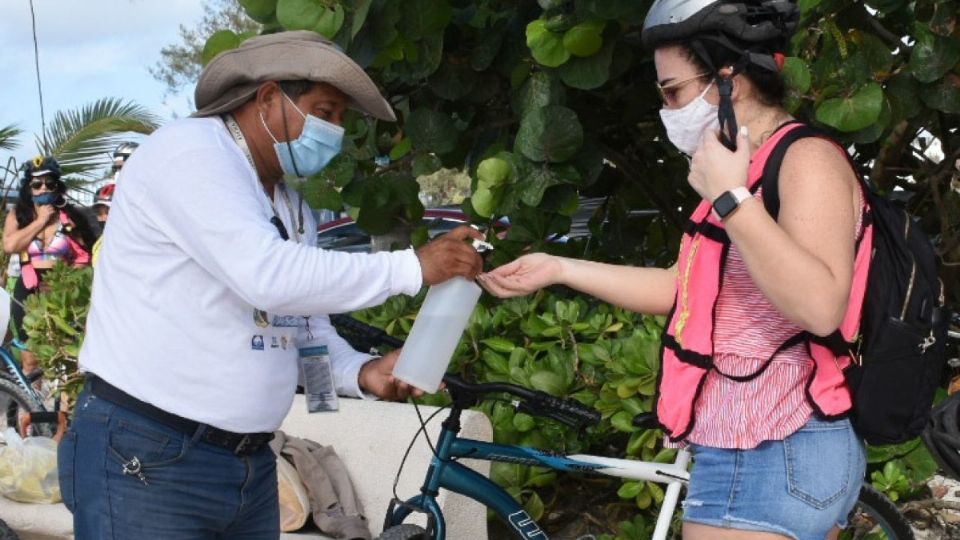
191 273
316 330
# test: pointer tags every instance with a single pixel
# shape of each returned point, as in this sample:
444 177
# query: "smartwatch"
729 201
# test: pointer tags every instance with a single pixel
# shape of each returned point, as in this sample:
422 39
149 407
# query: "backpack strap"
770 181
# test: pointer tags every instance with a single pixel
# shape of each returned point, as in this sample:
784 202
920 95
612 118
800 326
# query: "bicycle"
874 515
22 406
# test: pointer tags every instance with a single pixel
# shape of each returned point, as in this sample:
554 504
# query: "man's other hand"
450 255
376 377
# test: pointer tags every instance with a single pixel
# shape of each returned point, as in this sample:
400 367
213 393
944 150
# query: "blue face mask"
308 154
49 197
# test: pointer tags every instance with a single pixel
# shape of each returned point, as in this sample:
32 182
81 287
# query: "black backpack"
901 350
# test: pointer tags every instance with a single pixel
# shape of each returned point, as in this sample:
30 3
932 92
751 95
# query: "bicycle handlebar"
566 411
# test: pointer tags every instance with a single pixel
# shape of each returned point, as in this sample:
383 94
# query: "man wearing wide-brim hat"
204 277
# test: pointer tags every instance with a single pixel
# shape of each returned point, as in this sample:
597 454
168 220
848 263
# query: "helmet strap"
725 114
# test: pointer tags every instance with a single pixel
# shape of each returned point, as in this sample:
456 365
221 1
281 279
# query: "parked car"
343 234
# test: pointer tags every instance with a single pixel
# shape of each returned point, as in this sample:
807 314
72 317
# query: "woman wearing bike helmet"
42 230
744 382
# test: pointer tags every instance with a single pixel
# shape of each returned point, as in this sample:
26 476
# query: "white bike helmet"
754 32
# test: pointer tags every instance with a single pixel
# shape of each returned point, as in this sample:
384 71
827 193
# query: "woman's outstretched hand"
523 276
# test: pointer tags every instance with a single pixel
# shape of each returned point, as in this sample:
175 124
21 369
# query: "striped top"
748 329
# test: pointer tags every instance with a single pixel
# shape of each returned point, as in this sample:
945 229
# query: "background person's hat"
232 77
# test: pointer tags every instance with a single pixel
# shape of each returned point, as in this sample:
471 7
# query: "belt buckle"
242 445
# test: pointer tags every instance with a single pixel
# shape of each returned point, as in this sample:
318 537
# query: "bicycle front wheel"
15 406
876 517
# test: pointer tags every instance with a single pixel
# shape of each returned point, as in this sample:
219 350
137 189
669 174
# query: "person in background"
120 157
184 388
43 229
746 382
101 206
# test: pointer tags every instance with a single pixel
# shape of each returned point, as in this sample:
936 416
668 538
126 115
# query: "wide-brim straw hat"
233 76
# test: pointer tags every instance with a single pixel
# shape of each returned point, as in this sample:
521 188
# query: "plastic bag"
294 502
28 468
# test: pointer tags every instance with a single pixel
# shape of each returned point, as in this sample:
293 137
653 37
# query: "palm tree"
8 141
82 139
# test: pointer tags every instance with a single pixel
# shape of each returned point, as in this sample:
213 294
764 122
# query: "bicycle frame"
13 372
446 473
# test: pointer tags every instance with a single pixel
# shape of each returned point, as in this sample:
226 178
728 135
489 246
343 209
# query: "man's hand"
450 255
376 377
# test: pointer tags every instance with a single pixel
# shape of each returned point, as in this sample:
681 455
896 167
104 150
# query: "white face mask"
686 125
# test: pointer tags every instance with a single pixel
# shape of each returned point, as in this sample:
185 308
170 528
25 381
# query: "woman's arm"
16 239
644 290
803 263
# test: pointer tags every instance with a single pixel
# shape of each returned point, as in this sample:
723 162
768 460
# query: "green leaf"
534 506
262 11
630 489
855 112
944 95
220 41
623 421
401 149
933 55
422 18
549 382
492 172
331 20
495 362
315 15
484 202
523 422
499 344
550 133
425 164
589 73
585 38
432 131
360 10
903 93
539 90
546 46
796 74
453 81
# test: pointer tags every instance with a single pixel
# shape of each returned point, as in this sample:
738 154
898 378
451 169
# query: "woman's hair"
770 86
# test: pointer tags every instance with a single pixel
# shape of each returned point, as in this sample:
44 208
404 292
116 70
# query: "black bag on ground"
902 347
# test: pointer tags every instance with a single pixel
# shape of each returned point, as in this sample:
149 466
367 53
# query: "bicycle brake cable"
423 429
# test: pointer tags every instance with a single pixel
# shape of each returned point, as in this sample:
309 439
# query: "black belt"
242 444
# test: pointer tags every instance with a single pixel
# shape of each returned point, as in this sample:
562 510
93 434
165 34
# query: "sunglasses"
669 91
51 184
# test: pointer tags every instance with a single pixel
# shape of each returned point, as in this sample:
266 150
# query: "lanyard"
234 128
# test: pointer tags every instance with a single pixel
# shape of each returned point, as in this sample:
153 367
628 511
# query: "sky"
88 49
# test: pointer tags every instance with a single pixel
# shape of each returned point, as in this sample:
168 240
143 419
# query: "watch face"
725 204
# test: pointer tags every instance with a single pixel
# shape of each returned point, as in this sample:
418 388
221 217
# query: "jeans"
125 476
800 487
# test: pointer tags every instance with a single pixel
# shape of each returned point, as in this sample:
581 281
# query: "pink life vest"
687 349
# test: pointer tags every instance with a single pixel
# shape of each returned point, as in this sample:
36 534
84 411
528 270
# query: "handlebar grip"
584 414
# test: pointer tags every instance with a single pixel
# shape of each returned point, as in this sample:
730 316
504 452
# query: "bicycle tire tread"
872 498
24 401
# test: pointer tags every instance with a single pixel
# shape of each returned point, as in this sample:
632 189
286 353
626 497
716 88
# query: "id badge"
318 384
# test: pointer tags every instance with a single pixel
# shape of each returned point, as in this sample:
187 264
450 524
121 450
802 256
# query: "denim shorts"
800 487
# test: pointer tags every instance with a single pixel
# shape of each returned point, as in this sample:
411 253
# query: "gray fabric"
334 504
232 77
